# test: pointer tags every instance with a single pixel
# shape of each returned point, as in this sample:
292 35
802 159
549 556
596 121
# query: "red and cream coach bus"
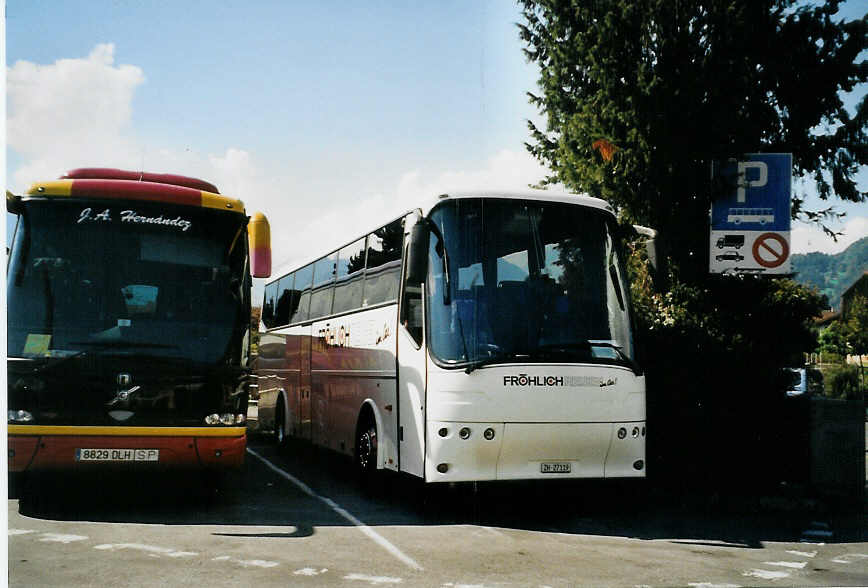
128 336
477 337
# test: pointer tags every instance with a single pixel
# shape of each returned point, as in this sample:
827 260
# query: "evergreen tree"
640 98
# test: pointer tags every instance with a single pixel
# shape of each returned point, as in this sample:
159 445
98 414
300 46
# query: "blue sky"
326 116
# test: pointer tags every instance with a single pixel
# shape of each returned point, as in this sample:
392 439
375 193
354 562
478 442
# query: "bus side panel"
299 384
292 384
270 371
353 362
319 405
344 394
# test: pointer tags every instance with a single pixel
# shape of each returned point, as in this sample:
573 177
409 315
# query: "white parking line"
61 538
373 535
796 565
803 553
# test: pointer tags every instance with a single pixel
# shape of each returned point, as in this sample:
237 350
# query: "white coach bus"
481 336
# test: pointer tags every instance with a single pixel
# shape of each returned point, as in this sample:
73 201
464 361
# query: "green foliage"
856 325
842 382
832 274
747 320
833 340
677 85
849 334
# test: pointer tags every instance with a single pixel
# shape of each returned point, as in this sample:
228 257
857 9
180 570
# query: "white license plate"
117 455
555 468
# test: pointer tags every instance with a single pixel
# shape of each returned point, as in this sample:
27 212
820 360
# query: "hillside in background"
832 274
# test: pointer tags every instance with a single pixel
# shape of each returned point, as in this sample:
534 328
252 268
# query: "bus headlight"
488 434
622 433
240 419
635 432
227 419
212 419
464 433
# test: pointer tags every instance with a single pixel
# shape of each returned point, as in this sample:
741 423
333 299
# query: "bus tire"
366 447
280 437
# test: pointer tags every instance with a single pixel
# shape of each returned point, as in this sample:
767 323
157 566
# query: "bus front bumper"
46 448
462 451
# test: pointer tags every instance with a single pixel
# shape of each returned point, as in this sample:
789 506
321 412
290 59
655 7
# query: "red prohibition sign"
778 255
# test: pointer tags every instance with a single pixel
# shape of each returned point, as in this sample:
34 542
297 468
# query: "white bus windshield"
126 278
527 281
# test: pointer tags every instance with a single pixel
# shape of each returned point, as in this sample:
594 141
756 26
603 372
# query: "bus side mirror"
417 253
656 257
13 203
259 237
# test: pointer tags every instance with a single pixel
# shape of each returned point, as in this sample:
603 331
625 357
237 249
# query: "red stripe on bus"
124 189
107 173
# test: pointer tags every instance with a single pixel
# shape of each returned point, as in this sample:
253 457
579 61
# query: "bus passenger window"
301 294
383 271
323 281
350 277
269 303
286 299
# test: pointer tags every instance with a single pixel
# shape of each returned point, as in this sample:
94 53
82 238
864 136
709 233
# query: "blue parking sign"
750 223
759 198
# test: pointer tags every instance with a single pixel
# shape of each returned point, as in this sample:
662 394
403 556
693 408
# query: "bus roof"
538 195
135 189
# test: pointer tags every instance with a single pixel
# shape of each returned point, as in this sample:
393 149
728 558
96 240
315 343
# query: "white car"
805 381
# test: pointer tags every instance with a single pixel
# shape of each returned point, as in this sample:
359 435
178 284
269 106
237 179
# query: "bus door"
411 375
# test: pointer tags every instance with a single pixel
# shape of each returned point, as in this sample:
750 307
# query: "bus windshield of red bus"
528 281
127 278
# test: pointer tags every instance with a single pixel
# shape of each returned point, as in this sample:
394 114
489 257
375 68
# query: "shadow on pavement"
258 496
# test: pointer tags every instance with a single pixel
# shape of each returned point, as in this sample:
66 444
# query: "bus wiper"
499 358
54 364
124 345
99 346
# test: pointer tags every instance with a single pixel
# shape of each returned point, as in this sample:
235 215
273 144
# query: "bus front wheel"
280 425
366 448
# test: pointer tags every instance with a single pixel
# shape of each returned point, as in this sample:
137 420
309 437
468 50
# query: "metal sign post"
750 224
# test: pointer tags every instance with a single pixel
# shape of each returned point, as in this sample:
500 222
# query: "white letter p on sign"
743 182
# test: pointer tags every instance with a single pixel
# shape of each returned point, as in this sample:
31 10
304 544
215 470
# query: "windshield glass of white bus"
529 281
126 278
